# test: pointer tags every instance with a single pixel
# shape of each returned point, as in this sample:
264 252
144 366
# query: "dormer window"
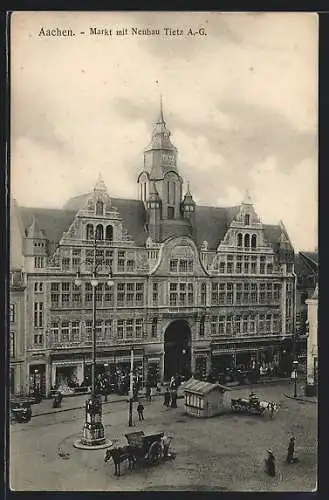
239 240
99 208
247 219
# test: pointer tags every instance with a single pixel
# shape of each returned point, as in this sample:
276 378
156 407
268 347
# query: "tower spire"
161 118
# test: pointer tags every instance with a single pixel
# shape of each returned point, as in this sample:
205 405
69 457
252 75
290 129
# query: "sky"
240 102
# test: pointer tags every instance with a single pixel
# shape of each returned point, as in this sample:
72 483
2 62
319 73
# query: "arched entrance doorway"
177 350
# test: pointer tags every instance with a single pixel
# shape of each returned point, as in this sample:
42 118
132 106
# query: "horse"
120 454
270 406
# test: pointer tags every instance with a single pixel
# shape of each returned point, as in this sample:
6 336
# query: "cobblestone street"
225 453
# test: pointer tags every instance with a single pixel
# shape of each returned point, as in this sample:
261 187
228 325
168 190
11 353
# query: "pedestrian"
270 463
140 411
166 401
173 398
148 392
291 450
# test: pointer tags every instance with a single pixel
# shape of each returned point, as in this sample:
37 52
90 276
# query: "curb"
62 410
300 399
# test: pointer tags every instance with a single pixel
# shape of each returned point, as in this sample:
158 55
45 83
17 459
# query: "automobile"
20 410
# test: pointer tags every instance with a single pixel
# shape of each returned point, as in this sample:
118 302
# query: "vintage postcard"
163 254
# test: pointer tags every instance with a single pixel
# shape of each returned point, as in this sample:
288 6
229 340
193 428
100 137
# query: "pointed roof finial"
34 230
100 184
161 118
247 198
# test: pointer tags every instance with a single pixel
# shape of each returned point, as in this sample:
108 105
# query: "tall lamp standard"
93 429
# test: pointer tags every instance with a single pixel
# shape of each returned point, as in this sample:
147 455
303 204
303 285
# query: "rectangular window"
269 268
238 297
120 328
54 287
38 314
89 297
139 328
65 286
89 329
129 328
54 298
75 331
65 332
38 262
38 339
54 331
173 265
203 294
76 298
154 327
66 261
99 330
229 267
229 298
253 297
183 266
108 328
246 267
12 311
130 265
262 297
239 267
121 260
202 327
229 325
238 324
252 324
245 324
221 325
12 346
213 325
65 299
261 323
139 299
38 287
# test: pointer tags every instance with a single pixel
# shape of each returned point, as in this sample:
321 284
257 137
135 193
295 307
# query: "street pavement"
224 453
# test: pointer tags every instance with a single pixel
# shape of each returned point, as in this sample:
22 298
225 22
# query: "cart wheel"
154 453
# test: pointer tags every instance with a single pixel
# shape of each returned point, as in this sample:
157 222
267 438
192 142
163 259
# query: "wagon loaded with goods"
253 406
145 449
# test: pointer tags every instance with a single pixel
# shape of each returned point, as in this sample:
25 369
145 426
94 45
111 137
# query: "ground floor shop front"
71 368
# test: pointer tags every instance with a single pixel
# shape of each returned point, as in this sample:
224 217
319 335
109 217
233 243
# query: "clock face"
168 158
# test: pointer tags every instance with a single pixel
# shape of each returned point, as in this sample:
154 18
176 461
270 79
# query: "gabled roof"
52 222
211 223
200 387
307 263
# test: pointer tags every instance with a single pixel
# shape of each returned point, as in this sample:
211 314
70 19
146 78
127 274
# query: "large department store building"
195 287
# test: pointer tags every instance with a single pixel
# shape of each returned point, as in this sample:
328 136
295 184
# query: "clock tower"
160 174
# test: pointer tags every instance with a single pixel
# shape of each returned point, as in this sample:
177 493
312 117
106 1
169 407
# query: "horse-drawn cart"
253 406
145 449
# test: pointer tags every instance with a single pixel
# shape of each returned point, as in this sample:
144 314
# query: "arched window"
99 207
247 219
109 233
99 232
90 232
239 240
247 240
253 241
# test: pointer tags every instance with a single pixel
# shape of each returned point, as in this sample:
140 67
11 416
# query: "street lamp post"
93 429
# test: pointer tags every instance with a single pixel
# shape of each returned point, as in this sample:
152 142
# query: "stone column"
208 362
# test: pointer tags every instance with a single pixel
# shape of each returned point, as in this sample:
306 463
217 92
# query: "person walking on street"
270 463
291 450
140 411
148 392
166 401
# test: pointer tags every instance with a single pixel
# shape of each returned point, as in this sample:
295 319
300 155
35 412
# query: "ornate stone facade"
194 287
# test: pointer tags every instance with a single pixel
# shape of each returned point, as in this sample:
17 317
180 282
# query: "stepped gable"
131 211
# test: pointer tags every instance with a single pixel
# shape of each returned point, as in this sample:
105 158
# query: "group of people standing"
270 460
170 393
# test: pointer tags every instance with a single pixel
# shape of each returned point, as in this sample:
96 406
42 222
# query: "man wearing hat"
270 463
291 450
